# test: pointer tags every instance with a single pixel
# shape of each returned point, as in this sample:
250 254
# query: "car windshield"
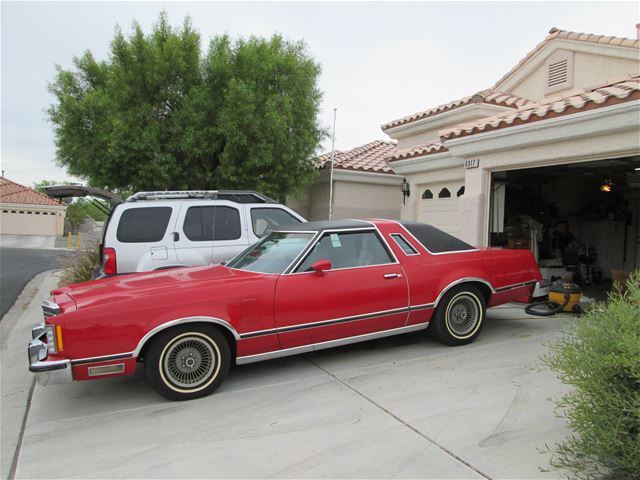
273 254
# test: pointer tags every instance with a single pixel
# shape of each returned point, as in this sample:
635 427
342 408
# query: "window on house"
427 195
444 193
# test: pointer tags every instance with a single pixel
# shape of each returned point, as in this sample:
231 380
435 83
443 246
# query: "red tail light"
109 261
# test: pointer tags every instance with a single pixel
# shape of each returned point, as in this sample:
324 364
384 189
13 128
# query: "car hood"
167 282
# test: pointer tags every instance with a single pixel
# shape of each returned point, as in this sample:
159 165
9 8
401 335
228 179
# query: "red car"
307 287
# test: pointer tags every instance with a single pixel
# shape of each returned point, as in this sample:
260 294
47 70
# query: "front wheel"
187 362
460 316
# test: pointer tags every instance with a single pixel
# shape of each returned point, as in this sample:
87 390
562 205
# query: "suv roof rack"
237 196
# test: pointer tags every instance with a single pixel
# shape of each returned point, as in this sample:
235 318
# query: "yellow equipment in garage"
566 294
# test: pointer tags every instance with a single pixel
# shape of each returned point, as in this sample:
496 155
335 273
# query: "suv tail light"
109 261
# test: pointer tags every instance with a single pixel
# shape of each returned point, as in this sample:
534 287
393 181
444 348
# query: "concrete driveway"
404 407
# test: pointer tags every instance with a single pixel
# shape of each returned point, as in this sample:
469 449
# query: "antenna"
333 156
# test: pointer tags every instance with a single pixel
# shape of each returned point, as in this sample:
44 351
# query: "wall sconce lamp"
607 186
406 190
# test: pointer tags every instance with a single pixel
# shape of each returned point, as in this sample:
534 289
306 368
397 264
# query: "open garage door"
581 218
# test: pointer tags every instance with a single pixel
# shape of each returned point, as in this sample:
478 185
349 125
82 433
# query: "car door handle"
392 275
176 236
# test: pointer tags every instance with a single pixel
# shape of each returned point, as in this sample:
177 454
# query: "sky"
380 61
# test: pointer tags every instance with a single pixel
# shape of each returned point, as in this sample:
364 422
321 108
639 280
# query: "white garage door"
439 206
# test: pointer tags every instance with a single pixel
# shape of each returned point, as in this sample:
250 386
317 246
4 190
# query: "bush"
79 267
600 358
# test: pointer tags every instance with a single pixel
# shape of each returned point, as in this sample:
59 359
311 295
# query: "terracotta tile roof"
366 158
595 97
12 192
418 151
556 33
485 96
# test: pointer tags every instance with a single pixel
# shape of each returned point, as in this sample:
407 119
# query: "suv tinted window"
344 250
264 220
198 223
138 225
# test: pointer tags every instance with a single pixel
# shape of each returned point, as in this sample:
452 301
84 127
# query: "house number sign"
473 163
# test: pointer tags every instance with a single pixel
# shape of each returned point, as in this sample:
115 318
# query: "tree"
159 114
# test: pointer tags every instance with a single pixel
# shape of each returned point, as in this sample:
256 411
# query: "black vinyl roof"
323 225
435 240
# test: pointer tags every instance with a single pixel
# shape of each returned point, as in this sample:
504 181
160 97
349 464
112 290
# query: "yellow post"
69 240
79 237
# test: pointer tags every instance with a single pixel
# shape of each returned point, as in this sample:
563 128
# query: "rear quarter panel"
431 275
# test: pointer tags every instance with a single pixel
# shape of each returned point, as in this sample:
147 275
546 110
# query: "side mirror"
321 266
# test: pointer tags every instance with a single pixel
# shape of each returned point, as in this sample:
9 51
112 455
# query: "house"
24 211
364 186
550 152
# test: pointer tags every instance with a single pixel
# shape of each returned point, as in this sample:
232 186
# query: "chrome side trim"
458 282
516 285
335 321
103 358
329 344
424 306
181 321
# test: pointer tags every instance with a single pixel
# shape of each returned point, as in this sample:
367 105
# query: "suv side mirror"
321 265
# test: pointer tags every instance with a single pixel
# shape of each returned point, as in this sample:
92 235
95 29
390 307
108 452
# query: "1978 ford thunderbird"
306 287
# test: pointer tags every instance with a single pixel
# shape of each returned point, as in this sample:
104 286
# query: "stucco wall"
589 70
359 200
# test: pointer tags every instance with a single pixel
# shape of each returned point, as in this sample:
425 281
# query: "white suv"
158 230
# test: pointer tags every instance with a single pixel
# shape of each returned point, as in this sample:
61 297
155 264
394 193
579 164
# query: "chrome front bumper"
47 372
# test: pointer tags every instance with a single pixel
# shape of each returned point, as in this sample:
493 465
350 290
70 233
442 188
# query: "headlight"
52 345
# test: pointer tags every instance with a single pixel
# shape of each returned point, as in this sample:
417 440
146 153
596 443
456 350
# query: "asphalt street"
18 266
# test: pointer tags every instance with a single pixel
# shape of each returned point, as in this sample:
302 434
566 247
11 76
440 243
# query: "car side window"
143 225
402 242
206 223
348 250
263 220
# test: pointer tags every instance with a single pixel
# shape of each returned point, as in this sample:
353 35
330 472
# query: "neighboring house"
364 186
555 140
24 211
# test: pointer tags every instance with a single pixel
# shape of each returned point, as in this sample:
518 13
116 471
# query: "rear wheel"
187 362
460 316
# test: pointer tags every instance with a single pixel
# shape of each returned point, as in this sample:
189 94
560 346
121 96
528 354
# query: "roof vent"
558 73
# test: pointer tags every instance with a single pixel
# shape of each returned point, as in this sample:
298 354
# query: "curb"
17 382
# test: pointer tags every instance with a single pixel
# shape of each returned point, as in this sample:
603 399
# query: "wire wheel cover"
189 362
463 315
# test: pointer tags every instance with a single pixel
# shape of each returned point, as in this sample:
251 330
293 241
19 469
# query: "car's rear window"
141 225
435 240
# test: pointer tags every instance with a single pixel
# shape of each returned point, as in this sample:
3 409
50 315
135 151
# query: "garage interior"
579 218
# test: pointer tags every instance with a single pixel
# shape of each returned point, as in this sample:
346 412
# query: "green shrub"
600 357
79 266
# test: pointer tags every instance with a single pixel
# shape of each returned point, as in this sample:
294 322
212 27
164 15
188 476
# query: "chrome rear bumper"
541 289
46 372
